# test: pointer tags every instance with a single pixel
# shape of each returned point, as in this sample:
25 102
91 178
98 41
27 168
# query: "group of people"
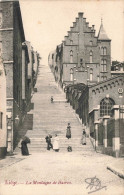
55 145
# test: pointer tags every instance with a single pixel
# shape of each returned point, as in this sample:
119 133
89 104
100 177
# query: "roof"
109 79
102 34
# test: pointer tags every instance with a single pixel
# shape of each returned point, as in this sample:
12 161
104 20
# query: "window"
91 74
91 43
91 57
71 56
105 107
1 120
121 68
81 62
103 51
98 78
104 66
71 74
71 42
105 78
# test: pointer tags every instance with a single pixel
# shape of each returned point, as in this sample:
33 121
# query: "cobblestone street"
56 173
47 168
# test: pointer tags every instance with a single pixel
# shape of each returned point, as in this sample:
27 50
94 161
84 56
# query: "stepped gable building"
82 66
16 55
83 57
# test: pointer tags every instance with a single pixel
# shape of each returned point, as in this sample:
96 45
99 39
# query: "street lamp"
17 120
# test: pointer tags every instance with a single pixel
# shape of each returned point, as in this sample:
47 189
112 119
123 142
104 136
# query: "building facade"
18 61
83 56
93 88
3 129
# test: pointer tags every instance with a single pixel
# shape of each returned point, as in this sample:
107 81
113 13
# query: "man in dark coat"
48 141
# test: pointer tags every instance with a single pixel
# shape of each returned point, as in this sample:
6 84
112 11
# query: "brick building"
93 88
18 64
117 69
3 129
35 66
101 110
83 57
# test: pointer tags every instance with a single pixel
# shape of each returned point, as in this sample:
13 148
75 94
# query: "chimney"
80 14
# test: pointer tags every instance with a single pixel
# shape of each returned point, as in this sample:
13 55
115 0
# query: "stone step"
47 117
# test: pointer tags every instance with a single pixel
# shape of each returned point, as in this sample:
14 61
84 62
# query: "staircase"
47 117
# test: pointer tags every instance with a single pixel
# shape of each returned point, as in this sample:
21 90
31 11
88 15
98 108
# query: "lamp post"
17 120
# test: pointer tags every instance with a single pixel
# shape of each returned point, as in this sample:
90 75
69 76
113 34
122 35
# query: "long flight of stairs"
47 117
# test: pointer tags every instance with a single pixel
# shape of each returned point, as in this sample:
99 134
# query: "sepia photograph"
61 97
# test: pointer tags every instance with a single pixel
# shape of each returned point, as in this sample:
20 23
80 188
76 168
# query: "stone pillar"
116 138
116 111
96 113
9 129
96 133
105 118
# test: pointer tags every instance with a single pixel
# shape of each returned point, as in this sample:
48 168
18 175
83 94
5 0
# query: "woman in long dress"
24 148
68 131
83 139
56 144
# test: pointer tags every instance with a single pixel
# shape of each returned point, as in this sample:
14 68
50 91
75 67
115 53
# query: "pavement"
59 173
117 167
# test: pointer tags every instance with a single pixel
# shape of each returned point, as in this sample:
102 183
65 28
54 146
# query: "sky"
46 22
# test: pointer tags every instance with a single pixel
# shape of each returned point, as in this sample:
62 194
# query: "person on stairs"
68 131
56 143
83 139
51 99
48 141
